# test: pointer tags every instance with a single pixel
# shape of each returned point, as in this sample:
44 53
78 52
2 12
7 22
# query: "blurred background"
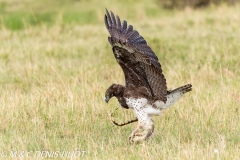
17 14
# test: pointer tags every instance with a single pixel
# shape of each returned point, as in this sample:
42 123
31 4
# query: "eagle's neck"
120 97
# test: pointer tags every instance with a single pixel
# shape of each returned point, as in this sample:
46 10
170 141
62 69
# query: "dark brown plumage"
145 89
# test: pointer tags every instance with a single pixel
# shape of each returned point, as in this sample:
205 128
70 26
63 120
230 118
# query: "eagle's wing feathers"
139 63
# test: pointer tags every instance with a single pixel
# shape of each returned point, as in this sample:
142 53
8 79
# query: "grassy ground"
56 63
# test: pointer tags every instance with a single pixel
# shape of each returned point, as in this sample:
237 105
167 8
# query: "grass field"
56 63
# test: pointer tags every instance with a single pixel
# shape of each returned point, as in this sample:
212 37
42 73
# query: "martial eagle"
145 89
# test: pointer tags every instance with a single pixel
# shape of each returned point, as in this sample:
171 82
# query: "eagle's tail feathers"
183 89
175 94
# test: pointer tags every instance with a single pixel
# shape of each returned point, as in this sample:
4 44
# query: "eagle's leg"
137 136
134 133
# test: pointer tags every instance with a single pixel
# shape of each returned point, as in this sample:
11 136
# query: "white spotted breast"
136 103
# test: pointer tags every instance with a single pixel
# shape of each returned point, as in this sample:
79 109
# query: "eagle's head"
114 90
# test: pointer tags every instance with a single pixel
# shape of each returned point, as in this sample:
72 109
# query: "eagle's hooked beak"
106 99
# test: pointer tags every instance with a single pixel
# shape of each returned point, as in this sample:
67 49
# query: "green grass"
56 63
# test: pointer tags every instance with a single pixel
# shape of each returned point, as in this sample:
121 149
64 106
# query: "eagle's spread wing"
139 63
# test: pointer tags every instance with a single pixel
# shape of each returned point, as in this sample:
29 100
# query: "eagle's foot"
132 135
137 137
